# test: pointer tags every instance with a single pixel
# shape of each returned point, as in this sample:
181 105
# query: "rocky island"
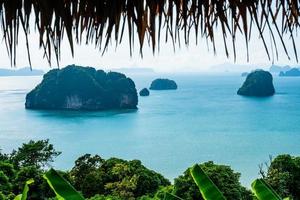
163 84
258 83
144 92
83 88
292 72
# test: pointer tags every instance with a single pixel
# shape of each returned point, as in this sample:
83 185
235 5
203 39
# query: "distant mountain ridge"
26 71
278 68
232 68
134 70
291 72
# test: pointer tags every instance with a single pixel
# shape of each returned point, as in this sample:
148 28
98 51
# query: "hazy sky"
193 58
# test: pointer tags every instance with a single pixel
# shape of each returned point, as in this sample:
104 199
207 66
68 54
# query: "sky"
194 58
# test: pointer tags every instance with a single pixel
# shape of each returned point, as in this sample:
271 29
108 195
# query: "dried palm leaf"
103 21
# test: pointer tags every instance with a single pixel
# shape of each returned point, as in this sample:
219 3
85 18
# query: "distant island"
144 92
83 88
134 70
163 84
26 71
258 83
278 69
291 72
230 68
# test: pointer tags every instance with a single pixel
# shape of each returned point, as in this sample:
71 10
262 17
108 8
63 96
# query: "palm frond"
99 22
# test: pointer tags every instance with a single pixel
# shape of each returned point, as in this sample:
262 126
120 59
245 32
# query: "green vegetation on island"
144 92
163 84
258 83
101 179
83 88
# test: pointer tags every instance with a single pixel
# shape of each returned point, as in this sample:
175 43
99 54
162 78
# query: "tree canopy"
284 176
117 179
223 176
93 175
100 21
34 153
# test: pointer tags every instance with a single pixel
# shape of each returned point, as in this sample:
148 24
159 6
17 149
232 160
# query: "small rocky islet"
83 88
144 92
163 84
258 83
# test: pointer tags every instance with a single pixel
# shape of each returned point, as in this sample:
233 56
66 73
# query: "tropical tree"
8 169
3 157
38 188
222 176
34 153
93 175
5 185
284 176
86 176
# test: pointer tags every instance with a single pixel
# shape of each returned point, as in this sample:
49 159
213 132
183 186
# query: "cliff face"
163 84
258 83
83 88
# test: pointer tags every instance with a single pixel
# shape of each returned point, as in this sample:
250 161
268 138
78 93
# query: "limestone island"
258 83
83 88
292 72
144 92
163 84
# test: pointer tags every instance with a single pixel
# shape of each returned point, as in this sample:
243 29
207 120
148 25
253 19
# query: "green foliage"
36 154
3 157
116 177
24 195
62 188
8 169
103 197
161 192
2 197
169 196
263 191
131 179
222 176
37 188
86 175
207 188
284 176
5 185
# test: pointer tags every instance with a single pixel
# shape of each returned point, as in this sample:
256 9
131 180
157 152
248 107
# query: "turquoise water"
203 120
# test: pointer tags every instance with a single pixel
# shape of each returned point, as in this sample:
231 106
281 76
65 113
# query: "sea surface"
201 121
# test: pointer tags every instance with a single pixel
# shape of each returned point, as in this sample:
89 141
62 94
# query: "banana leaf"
62 188
263 191
208 189
23 196
169 196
